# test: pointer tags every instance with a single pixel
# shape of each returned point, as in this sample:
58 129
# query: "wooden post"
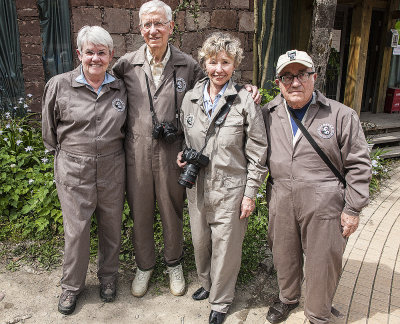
359 38
384 64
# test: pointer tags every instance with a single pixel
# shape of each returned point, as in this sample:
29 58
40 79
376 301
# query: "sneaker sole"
66 311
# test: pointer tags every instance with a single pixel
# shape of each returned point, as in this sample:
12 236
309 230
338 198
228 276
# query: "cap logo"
292 55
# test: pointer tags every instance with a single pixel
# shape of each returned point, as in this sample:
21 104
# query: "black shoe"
200 294
216 317
278 312
67 303
108 292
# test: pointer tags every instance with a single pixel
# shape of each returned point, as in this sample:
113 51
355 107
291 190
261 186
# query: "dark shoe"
278 312
108 292
200 294
216 317
67 303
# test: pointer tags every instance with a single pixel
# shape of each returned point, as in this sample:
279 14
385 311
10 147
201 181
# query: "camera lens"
188 176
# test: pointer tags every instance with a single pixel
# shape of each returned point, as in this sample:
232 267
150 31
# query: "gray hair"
218 42
154 6
96 35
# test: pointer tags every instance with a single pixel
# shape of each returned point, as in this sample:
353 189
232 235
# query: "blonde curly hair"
218 42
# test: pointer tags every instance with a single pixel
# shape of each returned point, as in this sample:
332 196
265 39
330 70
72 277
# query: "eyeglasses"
156 24
288 78
100 54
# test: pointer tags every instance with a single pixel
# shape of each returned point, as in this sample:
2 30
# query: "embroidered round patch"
118 104
326 131
190 120
180 84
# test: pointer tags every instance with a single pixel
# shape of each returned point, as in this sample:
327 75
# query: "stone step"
390 152
385 138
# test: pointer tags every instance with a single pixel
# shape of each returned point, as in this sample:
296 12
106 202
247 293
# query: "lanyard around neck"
153 114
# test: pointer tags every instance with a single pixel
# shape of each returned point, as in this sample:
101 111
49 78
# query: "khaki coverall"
86 132
237 153
306 199
152 172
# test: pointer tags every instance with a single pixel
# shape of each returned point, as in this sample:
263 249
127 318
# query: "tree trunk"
319 44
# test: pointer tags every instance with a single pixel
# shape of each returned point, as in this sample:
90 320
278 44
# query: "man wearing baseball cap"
313 206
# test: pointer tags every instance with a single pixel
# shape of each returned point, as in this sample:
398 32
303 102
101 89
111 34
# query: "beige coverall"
237 153
86 132
306 199
152 172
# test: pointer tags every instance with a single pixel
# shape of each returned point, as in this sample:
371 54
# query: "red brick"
30 39
247 62
29 12
78 3
242 4
247 77
28 59
31 27
31 49
24 4
33 73
224 19
191 42
202 22
101 3
135 21
212 4
246 21
133 42
117 21
119 45
172 3
85 16
180 21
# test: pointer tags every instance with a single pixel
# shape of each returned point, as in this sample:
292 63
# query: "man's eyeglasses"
156 24
302 77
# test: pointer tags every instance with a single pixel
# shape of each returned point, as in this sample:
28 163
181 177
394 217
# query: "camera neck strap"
223 113
153 114
316 147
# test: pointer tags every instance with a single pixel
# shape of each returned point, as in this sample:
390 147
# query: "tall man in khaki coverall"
310 210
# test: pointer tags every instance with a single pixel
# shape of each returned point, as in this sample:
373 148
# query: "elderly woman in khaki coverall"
224 193
83 122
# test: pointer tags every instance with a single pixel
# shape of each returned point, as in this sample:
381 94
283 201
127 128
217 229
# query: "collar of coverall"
197 92
116 84
279 100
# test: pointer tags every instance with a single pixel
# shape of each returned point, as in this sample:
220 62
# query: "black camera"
165 130
195 160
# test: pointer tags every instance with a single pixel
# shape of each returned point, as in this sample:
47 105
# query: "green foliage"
28 196
379 170
190 6
269 93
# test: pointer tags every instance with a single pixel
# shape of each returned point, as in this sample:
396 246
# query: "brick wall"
121 19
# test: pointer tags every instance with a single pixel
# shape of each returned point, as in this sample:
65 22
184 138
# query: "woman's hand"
178 160
247 208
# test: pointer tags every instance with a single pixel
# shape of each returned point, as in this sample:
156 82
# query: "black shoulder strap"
317 148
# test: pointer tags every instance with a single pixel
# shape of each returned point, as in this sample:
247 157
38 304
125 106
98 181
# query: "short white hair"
155 6
96 35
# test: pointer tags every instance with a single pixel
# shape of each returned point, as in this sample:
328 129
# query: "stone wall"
121 19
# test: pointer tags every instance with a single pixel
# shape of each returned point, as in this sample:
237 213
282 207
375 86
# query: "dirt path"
28 296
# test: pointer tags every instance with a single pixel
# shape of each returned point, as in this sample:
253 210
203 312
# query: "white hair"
155 6
96 35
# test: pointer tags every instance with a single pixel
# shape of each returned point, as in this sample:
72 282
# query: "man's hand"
178 160
349 223
247 208
254 93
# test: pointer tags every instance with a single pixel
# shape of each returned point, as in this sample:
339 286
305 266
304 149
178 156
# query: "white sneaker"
140 283
176 280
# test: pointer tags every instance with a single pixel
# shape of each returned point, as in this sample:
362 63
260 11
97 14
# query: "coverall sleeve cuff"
350 211
251 192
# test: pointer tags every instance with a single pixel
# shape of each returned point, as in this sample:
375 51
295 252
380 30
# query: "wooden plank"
385 138
359 37
390 152
384 64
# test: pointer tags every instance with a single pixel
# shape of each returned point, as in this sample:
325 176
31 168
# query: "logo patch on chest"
326 131
190 120
180 84
118 104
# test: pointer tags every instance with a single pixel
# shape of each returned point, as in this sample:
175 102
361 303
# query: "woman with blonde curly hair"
226 148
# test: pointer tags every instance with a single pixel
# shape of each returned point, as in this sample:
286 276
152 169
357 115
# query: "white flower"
28 110
21 99
1 132
8 115
18 142
28 148
15 107
29 95
30 181
13 165
6 139
46 151
8 126
374 163
20 130
45 160
260 195
374 172
26 106
54 180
